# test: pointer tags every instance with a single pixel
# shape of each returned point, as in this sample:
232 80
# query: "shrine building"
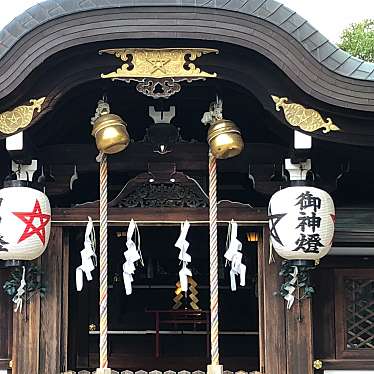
186 188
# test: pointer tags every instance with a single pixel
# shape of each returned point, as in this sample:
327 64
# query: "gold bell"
224 139
110 134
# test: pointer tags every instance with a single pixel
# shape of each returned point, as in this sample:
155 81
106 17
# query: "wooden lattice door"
354 313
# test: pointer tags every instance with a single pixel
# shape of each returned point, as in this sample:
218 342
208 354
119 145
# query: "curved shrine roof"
325 52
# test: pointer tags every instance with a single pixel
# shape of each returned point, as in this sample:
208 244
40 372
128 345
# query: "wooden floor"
160 372
147 364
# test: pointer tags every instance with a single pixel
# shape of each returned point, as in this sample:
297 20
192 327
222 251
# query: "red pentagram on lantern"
29 218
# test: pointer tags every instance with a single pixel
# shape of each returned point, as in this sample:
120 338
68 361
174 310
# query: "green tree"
358 40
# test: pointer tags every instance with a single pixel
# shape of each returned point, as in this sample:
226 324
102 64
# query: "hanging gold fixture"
20 117
309 120
224 137
109 130
158 71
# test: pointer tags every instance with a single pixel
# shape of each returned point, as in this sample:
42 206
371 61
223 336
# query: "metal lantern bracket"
25 172
298 171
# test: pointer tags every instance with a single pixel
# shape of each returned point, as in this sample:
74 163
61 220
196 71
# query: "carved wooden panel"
161 187
355 313
162 195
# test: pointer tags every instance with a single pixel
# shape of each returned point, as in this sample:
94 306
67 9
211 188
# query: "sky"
329 17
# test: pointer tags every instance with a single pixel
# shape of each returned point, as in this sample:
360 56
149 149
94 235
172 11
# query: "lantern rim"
16 183
302 262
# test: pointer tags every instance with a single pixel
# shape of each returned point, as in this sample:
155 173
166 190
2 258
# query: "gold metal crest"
317 364
308 120
20 117
158 68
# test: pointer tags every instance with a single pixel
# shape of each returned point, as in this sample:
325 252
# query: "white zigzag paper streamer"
290 298
88 256
132 255
234 256
17 299
184 257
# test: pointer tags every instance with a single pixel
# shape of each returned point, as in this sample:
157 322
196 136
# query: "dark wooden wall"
39 338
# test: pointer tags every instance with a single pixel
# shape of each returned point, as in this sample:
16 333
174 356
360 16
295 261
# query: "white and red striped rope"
103 262
214 332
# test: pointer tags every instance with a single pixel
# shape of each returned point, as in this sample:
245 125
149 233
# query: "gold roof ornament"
308 120
20 117
158 70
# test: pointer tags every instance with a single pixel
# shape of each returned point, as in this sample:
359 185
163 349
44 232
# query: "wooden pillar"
6 323
299 333
26 330
39 341
52 307
273 321
286 343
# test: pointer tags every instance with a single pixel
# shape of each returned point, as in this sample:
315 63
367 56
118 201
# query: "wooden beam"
119 216
186 156
353 224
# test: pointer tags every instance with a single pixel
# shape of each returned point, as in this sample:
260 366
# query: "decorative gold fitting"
224 139
317 364
110 134
308 120
11 364
92 327
20 117
158 71
158 63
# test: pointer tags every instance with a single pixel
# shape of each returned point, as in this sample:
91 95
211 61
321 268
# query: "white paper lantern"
301 221
25 223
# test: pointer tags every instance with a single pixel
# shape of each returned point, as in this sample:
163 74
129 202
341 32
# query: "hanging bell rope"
225 141
214 333
111 137
103 261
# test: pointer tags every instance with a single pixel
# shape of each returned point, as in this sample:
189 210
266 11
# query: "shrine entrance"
153 328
